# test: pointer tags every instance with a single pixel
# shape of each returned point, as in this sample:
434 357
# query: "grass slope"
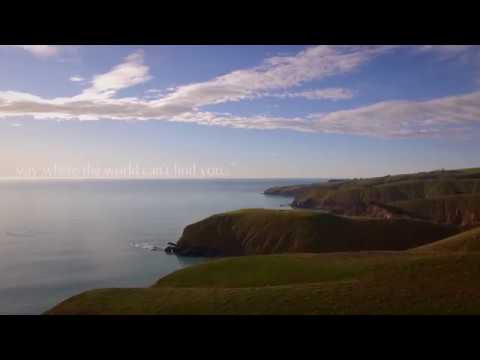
261 231
362 283
439 278
468 241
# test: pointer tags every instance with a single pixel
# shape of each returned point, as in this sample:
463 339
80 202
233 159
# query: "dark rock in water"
199 251
171 244
170 249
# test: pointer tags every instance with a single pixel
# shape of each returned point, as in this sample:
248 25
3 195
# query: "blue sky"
251 111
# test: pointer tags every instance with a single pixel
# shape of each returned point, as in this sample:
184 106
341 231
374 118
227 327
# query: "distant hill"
443 196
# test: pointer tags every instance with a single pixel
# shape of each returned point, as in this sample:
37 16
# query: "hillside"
455 209
355 283
468 241
449 197
261 231
389 245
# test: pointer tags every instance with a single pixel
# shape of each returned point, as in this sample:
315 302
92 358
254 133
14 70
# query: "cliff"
289 191
449 197
260 231
463 210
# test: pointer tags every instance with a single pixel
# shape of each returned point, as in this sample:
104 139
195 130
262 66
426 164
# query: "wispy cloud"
76 78
389 119
444 49
262 122
276 75
320 94
434 117
129 73
38 50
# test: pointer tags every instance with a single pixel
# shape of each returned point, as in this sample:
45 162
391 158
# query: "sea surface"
62 237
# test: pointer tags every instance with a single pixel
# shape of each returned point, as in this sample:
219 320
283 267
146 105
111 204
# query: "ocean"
61 237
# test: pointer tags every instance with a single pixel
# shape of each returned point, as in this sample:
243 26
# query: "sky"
317 111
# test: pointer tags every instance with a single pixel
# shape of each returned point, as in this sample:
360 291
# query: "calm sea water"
59 238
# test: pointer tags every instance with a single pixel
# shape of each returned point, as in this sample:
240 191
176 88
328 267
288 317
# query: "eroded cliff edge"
262 231
444 197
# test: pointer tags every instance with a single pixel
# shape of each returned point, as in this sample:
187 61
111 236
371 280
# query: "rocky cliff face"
451 197
387 212
463 210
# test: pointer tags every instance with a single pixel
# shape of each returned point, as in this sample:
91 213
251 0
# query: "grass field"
353 283
468 241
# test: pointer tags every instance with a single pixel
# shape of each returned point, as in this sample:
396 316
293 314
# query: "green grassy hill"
261 231
361 283
425 191
468 241
438 275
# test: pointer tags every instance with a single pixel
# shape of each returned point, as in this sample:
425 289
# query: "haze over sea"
61 237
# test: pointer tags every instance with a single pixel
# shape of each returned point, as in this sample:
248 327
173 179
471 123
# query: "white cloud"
389 119
245 122
404 118
275 73
129 73
16 125
76 78
464 54
449 49
321 94
39 50
98 100
184 103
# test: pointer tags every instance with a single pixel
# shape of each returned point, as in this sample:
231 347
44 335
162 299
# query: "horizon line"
164 178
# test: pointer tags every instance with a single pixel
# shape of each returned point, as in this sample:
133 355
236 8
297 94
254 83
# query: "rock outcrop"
463 210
